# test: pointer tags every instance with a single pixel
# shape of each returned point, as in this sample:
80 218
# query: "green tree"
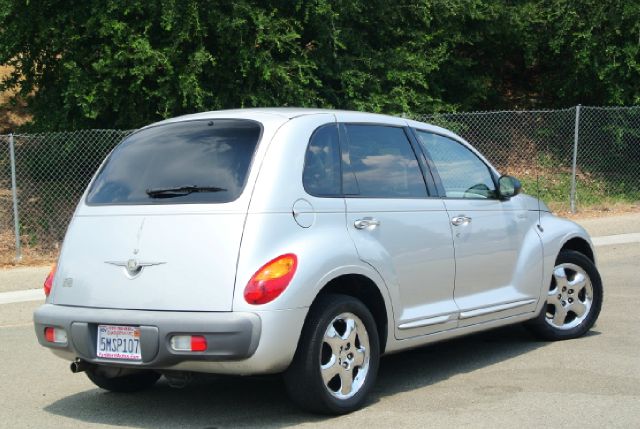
108 63
112 64
584 51
122 64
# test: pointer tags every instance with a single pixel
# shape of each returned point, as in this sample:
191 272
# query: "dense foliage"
117 64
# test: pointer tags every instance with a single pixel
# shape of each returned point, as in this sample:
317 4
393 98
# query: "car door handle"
366 222
461 220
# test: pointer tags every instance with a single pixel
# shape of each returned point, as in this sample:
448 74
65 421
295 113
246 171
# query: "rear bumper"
230 336
242 343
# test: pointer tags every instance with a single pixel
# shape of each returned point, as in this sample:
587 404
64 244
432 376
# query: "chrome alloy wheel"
344 356
569 298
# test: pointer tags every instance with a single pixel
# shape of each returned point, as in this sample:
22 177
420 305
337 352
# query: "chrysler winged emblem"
133 266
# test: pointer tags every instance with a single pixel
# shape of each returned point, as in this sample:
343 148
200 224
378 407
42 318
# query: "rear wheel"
573 300
131 382
336 362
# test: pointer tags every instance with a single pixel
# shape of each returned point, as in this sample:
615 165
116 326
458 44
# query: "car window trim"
345 157
436 174
424 163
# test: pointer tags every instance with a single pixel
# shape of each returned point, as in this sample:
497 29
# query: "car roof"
283 112
287 113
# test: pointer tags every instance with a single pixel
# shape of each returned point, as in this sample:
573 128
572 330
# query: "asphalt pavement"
501 378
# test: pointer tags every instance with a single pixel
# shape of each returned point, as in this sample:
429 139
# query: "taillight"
271 280
48 282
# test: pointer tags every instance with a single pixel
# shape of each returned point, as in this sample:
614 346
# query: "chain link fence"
51 172
571 158
580 157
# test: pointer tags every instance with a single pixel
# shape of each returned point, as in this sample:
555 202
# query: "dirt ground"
601 211
11 116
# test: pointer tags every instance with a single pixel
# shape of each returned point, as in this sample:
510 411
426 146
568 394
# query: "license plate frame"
119 342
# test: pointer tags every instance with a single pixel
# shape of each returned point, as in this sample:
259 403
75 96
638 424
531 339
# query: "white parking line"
607 240
21 296
38 295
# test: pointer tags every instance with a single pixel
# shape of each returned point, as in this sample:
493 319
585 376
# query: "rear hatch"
161 224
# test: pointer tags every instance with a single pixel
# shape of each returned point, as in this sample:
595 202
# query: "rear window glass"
183 162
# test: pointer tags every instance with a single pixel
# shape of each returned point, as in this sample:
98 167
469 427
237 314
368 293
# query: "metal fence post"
14 194
576 135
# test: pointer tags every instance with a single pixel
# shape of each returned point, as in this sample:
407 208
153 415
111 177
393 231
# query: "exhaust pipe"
178 379
79 366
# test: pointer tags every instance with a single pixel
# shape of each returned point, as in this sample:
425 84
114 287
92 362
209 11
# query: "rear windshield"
183 162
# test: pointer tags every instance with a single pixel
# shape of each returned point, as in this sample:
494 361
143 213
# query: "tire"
333 369
132 382
574 299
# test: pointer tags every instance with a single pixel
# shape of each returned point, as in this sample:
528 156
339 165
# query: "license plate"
119 342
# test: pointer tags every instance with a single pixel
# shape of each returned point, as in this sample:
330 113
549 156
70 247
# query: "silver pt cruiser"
306 242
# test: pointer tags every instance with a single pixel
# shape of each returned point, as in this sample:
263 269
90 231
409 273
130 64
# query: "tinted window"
384 163
321 174
214 154
462 173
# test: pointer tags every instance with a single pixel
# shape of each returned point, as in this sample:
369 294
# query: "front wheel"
573 300
336 363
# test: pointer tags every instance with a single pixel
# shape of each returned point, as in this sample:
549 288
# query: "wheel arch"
580 245
563 234
365 290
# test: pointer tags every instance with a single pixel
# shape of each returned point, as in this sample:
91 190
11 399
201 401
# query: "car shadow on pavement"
430 365
217 401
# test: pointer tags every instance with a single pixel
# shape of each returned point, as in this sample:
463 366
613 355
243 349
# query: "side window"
321 176
383 162
462 173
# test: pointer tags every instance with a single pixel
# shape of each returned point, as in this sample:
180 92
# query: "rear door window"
383 161
182 162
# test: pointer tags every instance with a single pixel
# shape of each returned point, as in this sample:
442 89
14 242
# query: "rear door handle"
366 222
461 220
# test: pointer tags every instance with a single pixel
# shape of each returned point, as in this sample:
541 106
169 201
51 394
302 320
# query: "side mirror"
508 187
